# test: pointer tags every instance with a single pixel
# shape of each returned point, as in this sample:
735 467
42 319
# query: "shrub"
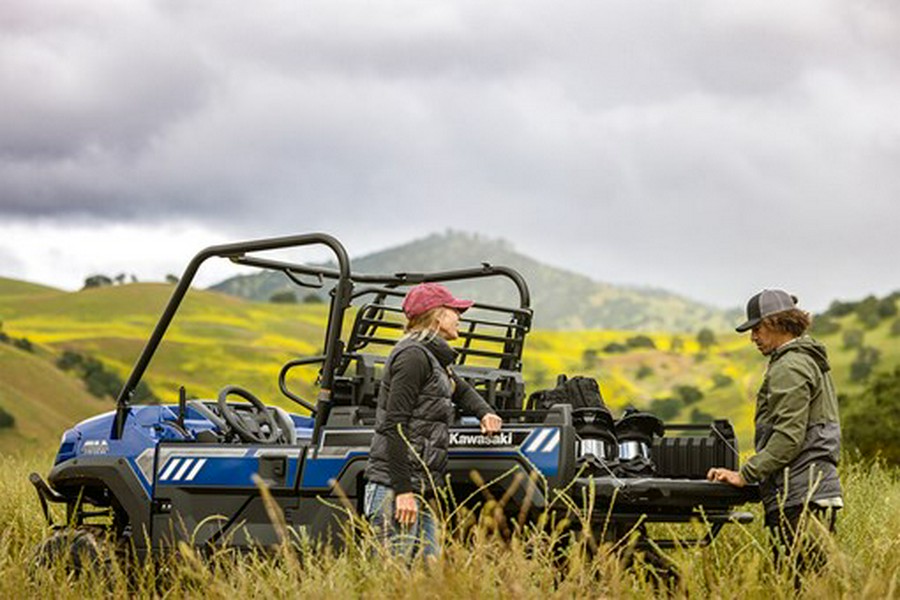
706 338
887 308
23 344
866 359
640 341
688 394
824 325
312 299
283 298
700 417
895 328
840 309
853 338
644 371
871 420
676 345
95 281
6 420
615 348
666 408
721 380
99 381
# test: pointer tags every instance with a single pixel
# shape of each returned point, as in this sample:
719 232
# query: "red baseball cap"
425 296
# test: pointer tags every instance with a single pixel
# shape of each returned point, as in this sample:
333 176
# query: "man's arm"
790 386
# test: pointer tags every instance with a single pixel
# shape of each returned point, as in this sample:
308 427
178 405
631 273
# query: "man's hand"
406 508
491 424
731 477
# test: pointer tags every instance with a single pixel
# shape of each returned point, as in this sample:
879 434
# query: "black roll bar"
397 279
236 252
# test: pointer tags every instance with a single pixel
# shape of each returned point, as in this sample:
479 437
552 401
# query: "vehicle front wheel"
78 549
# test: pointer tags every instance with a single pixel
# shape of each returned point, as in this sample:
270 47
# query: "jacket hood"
809 346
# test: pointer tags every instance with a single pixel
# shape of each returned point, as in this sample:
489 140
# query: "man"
798 436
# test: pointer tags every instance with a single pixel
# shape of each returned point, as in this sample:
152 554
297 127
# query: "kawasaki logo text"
477 439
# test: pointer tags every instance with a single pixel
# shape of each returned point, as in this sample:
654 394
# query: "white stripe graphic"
184 467
169 468
195 470
553 443
538 440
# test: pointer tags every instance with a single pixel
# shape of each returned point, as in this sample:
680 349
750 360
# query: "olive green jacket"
798 435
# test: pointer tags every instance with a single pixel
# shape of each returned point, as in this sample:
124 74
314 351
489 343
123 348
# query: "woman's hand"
406 508
491 424
731 477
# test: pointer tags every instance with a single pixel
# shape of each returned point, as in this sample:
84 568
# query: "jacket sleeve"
790 388
468 400
409 372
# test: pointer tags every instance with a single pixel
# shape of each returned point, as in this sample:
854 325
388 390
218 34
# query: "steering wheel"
249 427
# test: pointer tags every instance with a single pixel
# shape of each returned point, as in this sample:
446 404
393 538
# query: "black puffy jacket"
419 462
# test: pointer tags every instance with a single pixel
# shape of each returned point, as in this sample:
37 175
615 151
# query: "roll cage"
491 336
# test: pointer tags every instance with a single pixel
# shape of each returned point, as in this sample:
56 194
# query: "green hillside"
43 400
14 287
561 299
215 339
218 339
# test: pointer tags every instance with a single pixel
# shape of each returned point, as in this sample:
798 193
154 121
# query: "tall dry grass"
864 560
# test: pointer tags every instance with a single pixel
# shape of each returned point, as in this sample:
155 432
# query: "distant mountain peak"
561 299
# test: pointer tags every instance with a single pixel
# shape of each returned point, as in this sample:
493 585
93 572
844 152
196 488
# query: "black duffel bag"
579 392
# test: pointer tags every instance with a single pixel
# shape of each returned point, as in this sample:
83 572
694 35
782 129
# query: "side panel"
206 494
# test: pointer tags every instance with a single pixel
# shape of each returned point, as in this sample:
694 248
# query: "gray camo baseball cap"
765 303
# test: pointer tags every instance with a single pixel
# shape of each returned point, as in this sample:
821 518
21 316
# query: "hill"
561 299
43 400
218 339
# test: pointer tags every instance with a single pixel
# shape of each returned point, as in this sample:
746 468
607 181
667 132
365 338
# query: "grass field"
219 340
864 561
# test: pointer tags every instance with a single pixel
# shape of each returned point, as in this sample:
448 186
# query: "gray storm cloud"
680 145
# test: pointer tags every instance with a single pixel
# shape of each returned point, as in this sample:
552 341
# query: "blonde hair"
423 327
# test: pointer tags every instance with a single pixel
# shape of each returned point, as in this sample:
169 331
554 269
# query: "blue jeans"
402 540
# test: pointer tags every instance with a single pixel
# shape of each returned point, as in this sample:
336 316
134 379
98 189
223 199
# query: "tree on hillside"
871 421
676 345
172 279
287 297
853 338
688 394
824 325
666 408
699 417
866 359
706 338
313 299
840 309
887 308
895 328
640 341
96 281
6 419
589 358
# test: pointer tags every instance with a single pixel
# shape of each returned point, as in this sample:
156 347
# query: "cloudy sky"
711 148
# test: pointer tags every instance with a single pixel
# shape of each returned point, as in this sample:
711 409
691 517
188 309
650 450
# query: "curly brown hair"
793 321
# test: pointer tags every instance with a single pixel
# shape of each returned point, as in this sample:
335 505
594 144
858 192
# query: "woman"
408 460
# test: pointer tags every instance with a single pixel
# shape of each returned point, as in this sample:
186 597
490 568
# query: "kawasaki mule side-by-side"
190 471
